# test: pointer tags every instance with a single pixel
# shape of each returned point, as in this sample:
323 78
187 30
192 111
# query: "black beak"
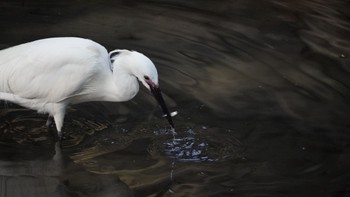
158 95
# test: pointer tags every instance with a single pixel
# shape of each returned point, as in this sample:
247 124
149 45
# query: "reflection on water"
261 87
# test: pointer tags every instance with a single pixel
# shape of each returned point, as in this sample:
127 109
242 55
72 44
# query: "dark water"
262 89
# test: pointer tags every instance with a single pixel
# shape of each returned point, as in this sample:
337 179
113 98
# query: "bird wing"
51 70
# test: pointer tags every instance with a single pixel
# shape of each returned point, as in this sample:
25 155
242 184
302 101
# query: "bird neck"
125 84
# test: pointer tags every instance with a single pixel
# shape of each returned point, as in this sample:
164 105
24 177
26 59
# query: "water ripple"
198 145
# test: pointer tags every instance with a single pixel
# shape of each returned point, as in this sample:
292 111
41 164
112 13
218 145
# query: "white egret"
48 75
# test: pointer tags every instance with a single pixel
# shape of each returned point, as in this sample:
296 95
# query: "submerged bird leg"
58 152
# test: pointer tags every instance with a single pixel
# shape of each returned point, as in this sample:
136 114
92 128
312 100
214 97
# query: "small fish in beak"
155 90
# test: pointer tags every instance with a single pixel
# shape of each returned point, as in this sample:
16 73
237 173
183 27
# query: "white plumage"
49 74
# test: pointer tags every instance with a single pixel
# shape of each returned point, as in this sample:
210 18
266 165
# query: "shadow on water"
261 87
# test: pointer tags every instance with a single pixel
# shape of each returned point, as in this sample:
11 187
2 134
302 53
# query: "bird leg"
59 123
50 122
58 117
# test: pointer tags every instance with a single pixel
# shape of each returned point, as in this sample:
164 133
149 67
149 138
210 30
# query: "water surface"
261 87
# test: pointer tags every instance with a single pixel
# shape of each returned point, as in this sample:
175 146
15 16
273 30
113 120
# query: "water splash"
200 144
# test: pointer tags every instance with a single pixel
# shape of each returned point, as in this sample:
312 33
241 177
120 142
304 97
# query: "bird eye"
146 77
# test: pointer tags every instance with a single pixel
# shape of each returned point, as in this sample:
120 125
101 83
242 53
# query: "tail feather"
11 97
29 103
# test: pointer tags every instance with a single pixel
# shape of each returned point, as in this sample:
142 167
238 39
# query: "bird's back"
51 70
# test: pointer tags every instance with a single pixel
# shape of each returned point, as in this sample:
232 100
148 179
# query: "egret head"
144 70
